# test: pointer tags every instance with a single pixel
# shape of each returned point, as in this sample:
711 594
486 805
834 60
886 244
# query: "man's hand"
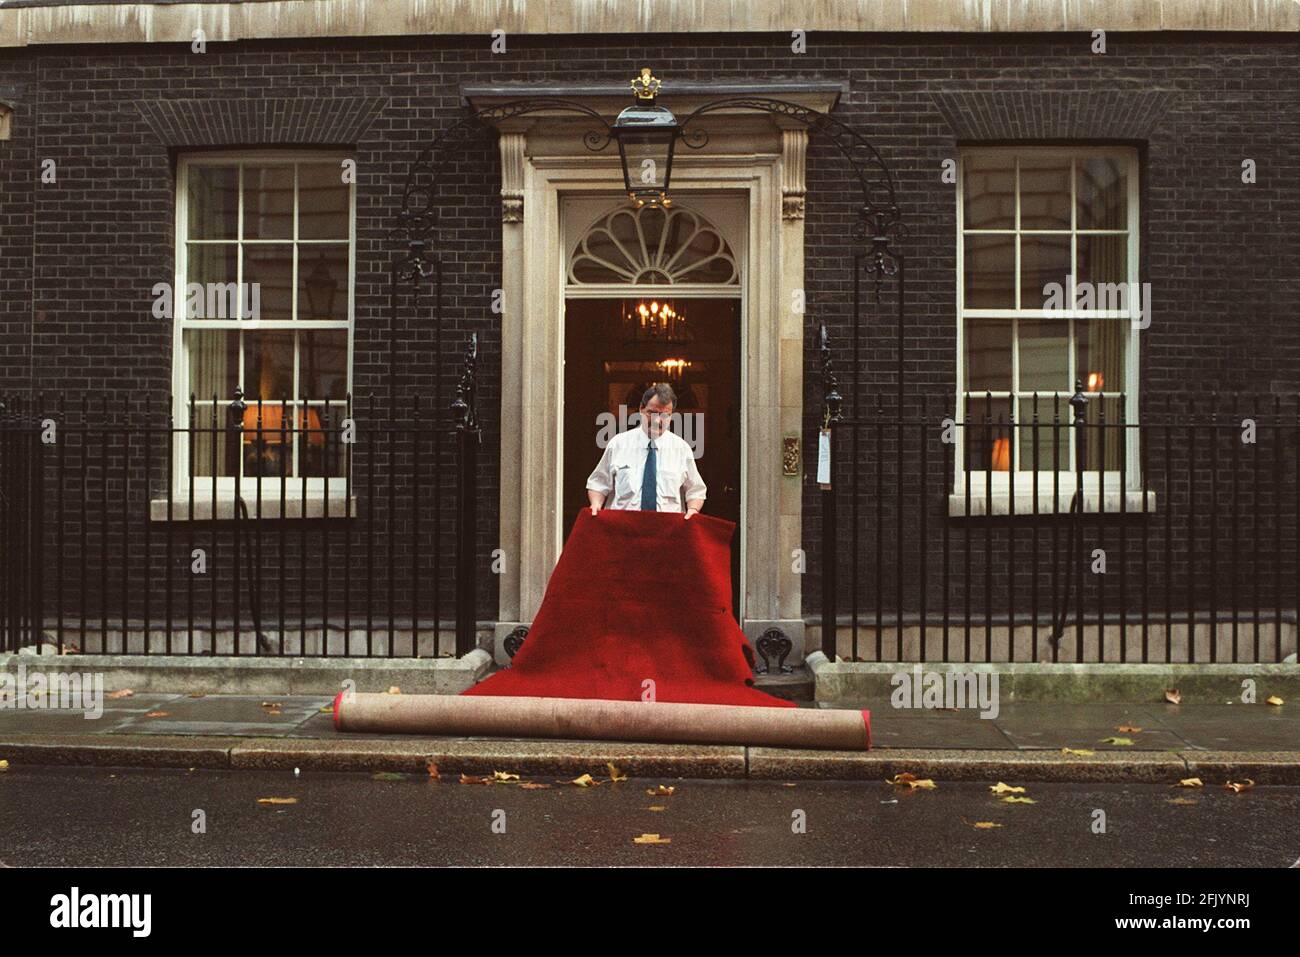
692 511
594 510
597 501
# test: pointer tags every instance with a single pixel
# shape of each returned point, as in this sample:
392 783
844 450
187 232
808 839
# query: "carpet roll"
601 720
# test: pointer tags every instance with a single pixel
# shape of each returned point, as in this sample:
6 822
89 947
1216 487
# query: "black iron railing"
1061 528
301 528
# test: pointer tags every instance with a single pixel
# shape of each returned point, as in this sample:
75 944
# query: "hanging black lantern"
647 135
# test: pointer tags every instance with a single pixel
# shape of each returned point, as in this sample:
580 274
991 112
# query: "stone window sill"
999 503
314 505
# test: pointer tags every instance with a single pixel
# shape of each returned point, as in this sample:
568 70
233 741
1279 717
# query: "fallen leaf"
662 789
1126 729
156 714
1236 787
651 839
388 776
197 694
1001 788
981 825
657 807
614 773
4 765
471 779
1014 799
1181 801
1274 699
277 800
1173 696
124 693
433 769
1083 752
504 776
911 780
1191 783
393 690
1117 741
586 781
534 786
328 709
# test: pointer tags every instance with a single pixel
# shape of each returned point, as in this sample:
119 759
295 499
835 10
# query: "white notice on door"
824 458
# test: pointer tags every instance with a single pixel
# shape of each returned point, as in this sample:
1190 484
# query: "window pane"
212 200
268 202
988 355
324 363
1104 260
1044 355
268 367
1045 440
214 362
323 282
1044 193
987 438
1043 260
319 447
1100 347
210 290
1103 194
322 201
1103 444
271 269
989 267
989 190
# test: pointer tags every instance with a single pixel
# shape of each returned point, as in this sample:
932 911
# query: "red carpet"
637 596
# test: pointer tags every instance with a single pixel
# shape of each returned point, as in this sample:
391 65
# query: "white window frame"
314 487
1000 482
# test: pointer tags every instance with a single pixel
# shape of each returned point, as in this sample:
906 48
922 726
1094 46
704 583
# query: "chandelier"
654 320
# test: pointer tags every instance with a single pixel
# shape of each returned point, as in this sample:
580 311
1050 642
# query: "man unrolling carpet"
647 467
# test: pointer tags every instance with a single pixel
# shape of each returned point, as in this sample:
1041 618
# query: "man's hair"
665 392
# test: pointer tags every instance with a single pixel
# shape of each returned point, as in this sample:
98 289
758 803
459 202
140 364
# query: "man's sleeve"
600 479
695 487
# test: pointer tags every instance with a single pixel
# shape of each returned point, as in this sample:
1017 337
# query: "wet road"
138 817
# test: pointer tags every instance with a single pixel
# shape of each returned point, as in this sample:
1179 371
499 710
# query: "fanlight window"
656 246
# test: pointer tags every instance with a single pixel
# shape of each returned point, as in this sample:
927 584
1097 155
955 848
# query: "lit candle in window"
1095 381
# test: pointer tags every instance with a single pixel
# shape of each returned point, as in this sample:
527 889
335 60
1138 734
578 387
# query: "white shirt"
622 467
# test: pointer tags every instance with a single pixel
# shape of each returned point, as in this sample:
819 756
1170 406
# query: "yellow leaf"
1191 783
1001 788
1118 741
1173 696
328 709
651 839
1181 801
985 825
277 800
1274 699
614 773
394 690
156 714
662 789
1083 752
504 776
124 693
910 780
1013 799
4 765
1236 787
585 781
1126 729
533 786
433 769
657 807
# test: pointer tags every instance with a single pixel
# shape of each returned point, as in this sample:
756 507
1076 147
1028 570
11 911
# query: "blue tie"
648 483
